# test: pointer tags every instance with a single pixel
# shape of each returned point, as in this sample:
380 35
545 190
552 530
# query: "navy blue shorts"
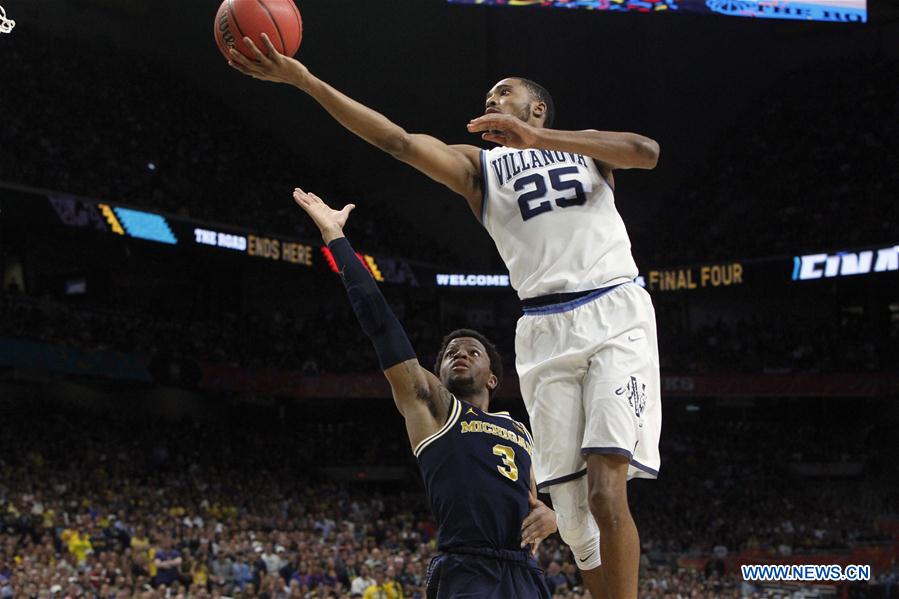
485 574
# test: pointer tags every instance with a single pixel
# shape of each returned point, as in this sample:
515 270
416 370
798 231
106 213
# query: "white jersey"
553 219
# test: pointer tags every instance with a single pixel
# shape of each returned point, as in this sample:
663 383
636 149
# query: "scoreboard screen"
839 11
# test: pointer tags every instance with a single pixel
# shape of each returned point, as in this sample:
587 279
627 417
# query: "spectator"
384 587
362 582
271 559
554 576
168 563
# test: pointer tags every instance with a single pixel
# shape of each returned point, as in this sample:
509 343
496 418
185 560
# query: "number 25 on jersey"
535 188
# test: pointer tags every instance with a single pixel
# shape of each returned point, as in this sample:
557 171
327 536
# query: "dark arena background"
180 368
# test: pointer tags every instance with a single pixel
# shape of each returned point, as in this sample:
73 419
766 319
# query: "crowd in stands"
319 343
277 341
102 505
96 503
326 341
722 492
792 340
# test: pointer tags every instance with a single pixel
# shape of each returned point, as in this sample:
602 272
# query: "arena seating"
88 498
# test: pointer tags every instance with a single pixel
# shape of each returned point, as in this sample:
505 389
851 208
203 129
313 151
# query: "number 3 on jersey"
508 456
539 191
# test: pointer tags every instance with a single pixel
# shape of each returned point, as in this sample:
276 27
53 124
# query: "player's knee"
583 540
576 524
608 501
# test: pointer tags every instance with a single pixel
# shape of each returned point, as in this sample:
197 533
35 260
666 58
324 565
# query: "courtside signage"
844 264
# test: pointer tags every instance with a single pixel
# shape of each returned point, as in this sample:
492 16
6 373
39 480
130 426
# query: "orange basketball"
279 19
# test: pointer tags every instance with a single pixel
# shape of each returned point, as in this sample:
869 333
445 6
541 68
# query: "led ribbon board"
367 260
78 213
838 11
228 241
694 277
844 264
257 246
472 280
145 225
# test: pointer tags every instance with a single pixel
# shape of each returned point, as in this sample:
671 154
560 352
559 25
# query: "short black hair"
496 360
539 93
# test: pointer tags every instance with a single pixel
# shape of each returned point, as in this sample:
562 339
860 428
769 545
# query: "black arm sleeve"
376 318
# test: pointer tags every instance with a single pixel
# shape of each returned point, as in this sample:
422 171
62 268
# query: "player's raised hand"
270 65
329 221
539 524
505 130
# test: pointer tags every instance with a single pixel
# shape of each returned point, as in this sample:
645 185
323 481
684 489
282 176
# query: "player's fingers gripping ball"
280 20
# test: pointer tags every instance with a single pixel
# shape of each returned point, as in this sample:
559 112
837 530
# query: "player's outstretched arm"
610 148
457 166
419 396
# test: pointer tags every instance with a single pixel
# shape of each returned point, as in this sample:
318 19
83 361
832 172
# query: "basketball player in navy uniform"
476 464
586 346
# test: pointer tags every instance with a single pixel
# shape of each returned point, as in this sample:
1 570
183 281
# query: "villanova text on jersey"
477 474
553 219
511 164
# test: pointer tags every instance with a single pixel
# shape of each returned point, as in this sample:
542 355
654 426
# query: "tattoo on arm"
442 399
445 398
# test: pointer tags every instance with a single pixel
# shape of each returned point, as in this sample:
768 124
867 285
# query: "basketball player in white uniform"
586 349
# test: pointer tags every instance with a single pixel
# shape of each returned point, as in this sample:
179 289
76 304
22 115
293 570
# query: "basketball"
279 19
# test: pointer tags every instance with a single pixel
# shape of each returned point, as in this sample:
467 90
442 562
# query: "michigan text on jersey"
479 426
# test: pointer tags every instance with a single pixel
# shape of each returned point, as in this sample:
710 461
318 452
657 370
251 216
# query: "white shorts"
589 372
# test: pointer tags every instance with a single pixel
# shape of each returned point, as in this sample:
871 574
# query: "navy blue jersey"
477 473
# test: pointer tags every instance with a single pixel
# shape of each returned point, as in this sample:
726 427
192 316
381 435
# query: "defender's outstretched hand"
329 221
271 66
505 130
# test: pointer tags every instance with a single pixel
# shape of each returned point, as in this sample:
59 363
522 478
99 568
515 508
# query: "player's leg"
579 530
466 577
595 583
607 479
454 576
552 356
432 578
623 421
525 579
550 370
